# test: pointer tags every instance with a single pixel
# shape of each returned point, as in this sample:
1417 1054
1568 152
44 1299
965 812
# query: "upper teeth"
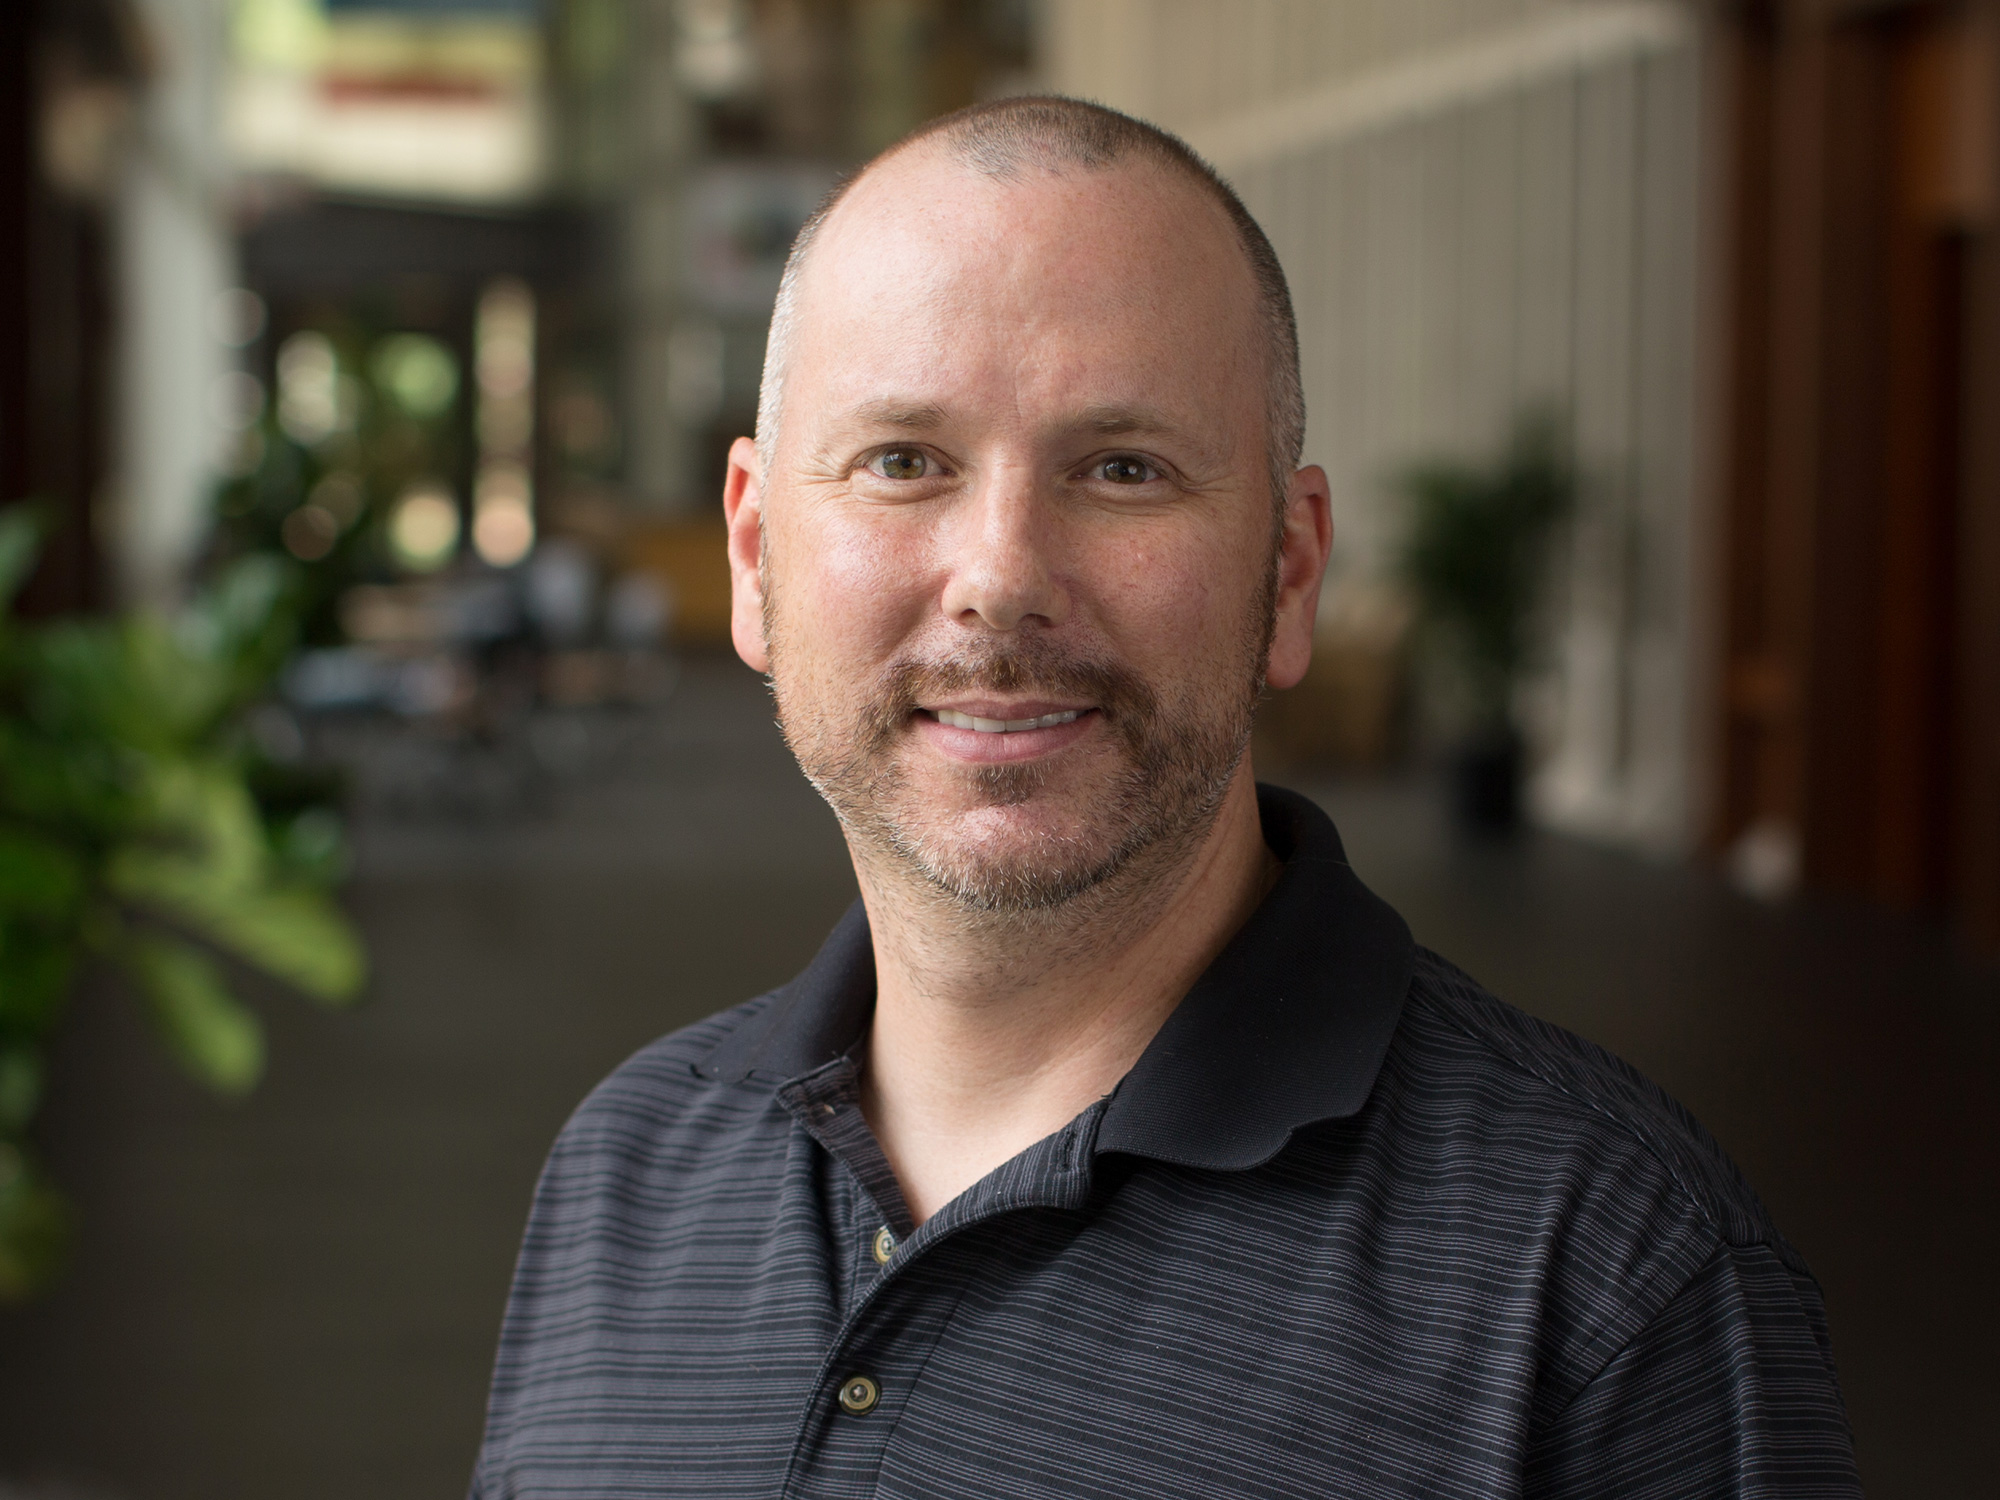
958 720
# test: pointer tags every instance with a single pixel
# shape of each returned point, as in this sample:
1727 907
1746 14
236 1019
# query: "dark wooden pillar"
1975 813
1858 297
1757 752
1930 212
17 188
55 312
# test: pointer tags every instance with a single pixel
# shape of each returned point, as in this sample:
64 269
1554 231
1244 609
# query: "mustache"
1117 692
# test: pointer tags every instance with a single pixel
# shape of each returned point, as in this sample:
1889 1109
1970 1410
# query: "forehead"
929 272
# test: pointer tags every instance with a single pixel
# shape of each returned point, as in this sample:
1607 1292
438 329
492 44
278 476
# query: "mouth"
989 731
953 719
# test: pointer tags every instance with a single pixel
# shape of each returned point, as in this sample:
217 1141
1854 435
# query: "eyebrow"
926 416
1118 421
910 416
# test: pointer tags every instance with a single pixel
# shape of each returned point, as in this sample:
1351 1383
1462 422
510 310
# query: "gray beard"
1178 765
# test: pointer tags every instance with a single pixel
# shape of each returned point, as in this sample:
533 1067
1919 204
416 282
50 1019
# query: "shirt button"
858 1395
884 1245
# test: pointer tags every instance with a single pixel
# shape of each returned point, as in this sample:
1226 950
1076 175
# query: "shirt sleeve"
1728 1391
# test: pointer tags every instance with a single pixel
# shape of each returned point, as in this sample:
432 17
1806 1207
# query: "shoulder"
1555 1179
668 1067
1576 1098
656 1107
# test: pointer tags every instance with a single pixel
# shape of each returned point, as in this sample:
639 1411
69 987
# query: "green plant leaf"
245 622
209 1031
214 880
203 834
35 1226
311 847
293 933
173 696
20 1087
39 876
35 970
127 681
126 783
21 529
1475 550
238 606
212 804
83 788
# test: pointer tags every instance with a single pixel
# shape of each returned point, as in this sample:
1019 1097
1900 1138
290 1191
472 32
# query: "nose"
1004 563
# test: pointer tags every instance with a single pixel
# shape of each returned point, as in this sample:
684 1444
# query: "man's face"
1015 580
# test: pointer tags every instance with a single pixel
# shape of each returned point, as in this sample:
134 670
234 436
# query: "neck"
991 1034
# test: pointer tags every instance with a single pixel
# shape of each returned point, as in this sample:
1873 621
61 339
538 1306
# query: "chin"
1014 886
1036 853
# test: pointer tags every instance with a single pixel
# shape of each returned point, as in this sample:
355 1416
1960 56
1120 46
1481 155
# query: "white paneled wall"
1483 206
171 235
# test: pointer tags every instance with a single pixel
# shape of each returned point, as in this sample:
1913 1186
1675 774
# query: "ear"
1301 564
743 510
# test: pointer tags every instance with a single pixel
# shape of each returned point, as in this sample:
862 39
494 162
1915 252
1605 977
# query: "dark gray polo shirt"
1351 1226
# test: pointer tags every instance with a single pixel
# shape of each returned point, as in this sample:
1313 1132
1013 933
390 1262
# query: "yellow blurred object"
1348 709
692 559
424 527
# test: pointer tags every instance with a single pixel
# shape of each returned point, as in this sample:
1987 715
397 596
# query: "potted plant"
1474 559
131 836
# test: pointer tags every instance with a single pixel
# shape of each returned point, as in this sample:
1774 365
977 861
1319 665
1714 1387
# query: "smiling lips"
957 720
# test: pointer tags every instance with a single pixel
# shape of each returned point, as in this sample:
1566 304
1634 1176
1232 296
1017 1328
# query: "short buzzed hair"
1006 137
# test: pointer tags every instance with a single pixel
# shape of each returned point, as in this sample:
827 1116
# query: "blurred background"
1658 680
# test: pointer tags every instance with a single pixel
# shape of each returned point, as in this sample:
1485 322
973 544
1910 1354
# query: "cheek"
1179 602
847 588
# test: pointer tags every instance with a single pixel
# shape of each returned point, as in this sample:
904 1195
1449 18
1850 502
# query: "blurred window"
432 99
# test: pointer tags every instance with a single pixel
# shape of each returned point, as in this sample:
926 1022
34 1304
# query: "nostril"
1002 598
1004 570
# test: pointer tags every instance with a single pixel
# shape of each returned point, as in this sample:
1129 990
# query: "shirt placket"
894 1316
859 1236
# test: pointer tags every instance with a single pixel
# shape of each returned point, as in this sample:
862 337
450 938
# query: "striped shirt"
1350 1226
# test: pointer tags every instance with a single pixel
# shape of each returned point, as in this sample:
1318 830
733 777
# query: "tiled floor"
295 1298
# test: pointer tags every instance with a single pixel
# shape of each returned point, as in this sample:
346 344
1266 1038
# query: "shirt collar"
1286 1028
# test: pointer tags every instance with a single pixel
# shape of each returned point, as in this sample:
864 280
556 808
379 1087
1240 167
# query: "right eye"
900 463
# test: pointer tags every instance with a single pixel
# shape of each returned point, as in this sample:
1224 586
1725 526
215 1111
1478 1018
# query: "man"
1119 1142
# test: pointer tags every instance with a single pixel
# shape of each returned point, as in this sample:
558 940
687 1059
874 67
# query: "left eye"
1125 469
900 463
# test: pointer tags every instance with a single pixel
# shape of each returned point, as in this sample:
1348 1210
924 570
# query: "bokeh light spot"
423 530
309 532
417 373
309 405
503 515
